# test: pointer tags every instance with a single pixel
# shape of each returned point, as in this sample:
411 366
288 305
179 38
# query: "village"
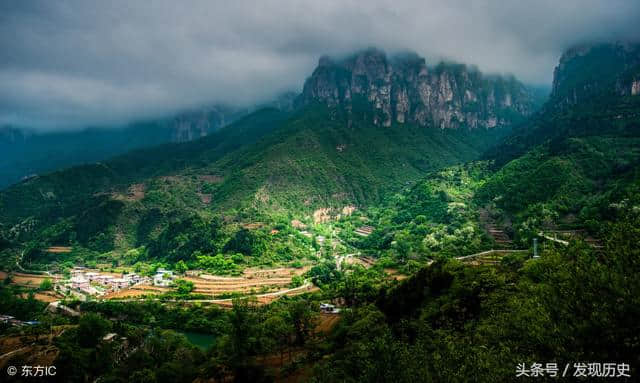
85 283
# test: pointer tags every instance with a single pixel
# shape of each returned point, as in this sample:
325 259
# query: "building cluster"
12 321
95 283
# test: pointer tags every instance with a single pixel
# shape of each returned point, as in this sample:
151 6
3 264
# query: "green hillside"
422 237
266 169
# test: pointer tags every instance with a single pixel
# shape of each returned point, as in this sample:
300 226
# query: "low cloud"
70 64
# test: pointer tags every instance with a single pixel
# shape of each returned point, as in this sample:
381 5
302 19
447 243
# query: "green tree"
143 376
91 328
183 287
46 285
180 267
302 315
243 335
278 331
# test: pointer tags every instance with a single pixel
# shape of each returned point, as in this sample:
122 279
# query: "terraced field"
252 281
31 280
137 291
259 282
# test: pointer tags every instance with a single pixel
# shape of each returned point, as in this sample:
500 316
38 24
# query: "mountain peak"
403 89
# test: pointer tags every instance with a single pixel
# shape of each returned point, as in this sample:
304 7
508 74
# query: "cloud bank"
70 64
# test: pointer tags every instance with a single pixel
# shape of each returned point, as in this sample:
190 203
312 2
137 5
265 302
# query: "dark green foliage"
45 285
324 273
23 309
91 328
183 287
246 242
572 304
182 238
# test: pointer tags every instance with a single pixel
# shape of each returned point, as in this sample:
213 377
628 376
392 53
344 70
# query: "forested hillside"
401 248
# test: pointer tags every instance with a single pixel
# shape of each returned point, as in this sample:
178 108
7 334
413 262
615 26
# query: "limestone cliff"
403 89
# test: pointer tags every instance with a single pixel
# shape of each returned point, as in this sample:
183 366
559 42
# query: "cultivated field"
137 291
264 283
46 296
252 280
31 280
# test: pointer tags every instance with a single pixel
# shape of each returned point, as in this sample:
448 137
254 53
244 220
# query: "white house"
132 278
75 272
102 278
92 276
163 277
328 308
119 283
79 282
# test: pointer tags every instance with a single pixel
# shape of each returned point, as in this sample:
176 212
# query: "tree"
183 287
46 285
92 327
180 267
297 281
278 332
302 316
143 376
242 337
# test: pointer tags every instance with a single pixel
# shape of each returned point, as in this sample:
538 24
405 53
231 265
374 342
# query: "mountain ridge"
402 88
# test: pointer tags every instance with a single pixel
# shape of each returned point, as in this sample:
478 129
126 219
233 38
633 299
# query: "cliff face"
195 124
192 125
596 70
404 89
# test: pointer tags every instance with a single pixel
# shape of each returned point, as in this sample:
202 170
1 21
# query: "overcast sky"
69 64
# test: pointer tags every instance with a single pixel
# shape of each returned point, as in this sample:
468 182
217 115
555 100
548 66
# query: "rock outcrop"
403 89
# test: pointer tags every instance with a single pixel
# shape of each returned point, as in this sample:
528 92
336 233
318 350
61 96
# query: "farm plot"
47 296
137 291
31 280
209 287
265 284
252 281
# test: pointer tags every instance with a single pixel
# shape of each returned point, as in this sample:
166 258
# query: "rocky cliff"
192 125
403 89
596 70
197 123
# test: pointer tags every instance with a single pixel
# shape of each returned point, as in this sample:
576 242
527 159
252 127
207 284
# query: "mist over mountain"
73 64
27 152
398 89
335 191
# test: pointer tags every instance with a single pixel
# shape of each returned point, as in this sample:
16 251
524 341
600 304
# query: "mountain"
330 180
587 71
27 152
195 124
575 163
403 89
318 158
594 93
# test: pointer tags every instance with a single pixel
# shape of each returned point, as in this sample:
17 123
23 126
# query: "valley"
402 221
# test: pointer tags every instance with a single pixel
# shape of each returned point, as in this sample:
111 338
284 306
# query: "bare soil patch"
59 249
